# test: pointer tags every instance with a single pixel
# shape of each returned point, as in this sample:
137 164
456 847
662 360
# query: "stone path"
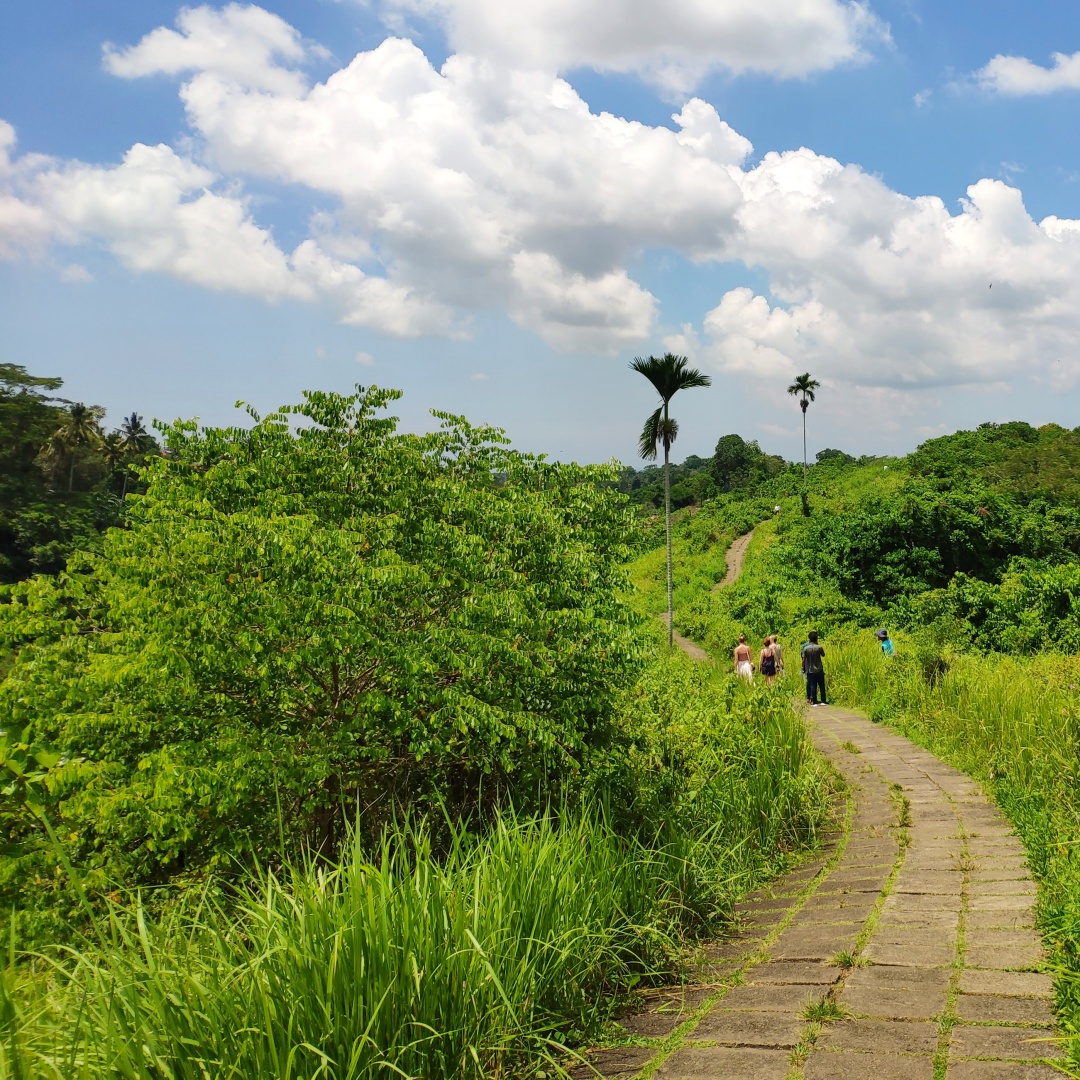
906 949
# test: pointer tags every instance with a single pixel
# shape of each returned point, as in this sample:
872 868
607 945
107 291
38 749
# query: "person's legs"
809 689
821 683
815 682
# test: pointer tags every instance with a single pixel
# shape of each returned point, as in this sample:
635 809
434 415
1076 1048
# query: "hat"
882 634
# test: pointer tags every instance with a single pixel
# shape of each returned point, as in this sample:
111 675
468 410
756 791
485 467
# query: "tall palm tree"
803 388
669 374
80 428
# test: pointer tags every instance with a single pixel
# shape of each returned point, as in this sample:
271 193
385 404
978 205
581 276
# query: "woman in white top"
744 665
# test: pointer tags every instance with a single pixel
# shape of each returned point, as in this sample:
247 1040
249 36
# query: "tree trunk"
71 472
667 522
804 445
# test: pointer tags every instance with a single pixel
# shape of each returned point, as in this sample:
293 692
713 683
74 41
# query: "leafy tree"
668 374
803 388
311 616
738 463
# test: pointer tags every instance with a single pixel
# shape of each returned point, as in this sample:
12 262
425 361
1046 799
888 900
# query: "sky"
495 205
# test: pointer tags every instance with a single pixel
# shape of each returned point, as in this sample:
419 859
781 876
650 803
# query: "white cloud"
479 376
673 44
365 359
239 43
1017 76
881 290
477 187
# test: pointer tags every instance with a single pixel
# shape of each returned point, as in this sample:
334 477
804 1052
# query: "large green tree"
316 615
668 374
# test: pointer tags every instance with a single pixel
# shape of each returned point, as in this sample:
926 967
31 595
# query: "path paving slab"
725 1063
883 1036
1016 1043
856 1066
895 1004
1000 1070
991 1008
618 1064
766 998
940 955
764 1029
1007 983
803 972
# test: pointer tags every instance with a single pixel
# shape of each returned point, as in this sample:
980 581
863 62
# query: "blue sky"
240 202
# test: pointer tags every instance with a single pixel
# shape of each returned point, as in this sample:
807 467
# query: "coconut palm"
133 434
668 374
803 388
81 427
135 440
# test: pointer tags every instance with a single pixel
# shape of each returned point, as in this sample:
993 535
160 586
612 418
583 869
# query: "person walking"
814 669
887 646
767 662
744 664
778 655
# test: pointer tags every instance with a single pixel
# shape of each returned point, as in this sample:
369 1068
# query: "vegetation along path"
906 949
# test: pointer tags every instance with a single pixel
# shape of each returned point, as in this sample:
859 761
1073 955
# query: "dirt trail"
905 950
734 559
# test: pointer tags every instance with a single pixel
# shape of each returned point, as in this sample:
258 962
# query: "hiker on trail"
744 665
814 670
778 654
767 662
887 646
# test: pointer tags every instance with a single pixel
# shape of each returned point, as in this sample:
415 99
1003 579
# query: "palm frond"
669 374
667 430
805 386
650 436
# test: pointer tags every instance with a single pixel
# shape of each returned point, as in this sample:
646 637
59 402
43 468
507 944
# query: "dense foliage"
61 478
311 616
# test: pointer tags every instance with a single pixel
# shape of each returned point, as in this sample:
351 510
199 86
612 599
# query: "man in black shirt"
814 670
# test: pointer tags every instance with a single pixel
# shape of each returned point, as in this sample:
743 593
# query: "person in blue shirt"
887 646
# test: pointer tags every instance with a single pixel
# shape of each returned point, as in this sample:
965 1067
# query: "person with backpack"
813 668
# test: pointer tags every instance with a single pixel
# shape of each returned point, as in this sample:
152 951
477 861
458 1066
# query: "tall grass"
481 960
1012 723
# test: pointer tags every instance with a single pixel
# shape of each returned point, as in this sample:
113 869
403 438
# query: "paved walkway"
905 950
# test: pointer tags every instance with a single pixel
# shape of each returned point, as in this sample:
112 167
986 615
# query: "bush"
310 616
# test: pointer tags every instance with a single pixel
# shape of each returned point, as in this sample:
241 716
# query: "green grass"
483 959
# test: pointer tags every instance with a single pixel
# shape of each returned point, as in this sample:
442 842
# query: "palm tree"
133 435
803 388
669 374
134 439
80 428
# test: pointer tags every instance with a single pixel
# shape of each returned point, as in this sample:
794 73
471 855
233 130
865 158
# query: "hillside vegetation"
350 754
968 551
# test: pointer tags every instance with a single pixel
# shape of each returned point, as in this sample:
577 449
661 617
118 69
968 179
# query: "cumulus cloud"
674 44
443 192
239 43
883 290
1017 76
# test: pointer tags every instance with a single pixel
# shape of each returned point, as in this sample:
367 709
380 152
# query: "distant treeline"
62 477
737 464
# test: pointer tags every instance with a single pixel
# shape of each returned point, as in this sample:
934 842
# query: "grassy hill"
968 551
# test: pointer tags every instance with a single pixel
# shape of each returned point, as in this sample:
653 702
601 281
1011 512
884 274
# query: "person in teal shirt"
887 646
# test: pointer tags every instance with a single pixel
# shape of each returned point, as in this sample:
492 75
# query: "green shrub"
309 616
